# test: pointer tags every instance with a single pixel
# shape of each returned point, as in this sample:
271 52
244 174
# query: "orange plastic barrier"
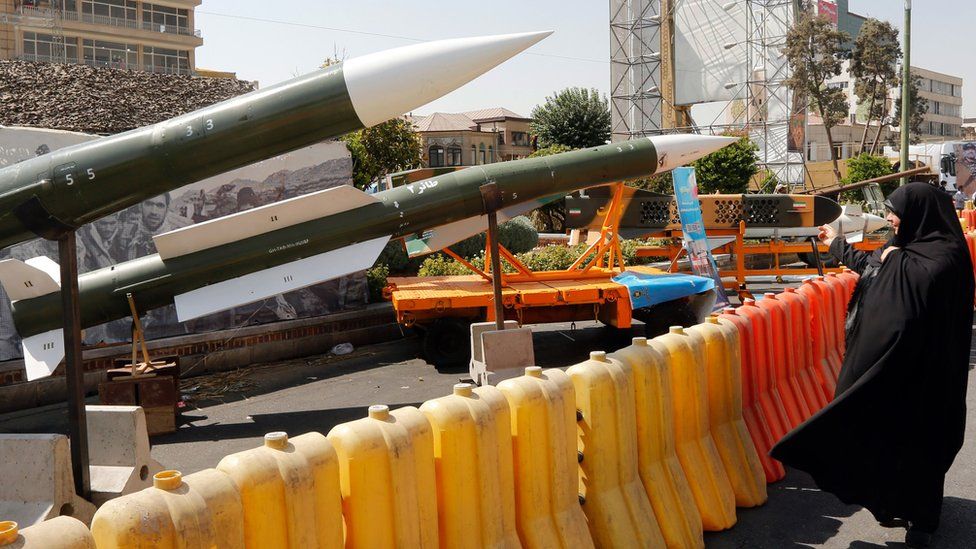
724 384
838 290
764 372
850 278
803 349
817 331
695 446
752 413
971 243
783 381
618 512
830 313
664 480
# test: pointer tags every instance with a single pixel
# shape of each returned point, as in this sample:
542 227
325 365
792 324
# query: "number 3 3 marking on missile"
71 180
209 125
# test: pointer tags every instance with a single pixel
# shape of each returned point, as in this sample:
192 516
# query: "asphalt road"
316 393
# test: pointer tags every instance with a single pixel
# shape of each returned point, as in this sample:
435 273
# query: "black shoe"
917 538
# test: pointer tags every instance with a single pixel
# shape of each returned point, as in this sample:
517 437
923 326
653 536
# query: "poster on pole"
693 231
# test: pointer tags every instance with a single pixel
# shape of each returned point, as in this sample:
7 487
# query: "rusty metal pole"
492 199
74 372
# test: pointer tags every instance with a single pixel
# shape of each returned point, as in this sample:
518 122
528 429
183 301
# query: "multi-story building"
943 92
474 137
156 35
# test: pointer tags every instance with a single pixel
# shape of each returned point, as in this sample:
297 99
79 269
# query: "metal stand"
492 199
73 369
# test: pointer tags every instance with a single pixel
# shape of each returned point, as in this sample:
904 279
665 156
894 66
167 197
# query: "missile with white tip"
266 251
58 192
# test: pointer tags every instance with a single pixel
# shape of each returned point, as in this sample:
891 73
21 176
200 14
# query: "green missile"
259 253
49 195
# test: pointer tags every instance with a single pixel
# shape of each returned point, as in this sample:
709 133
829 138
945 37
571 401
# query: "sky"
274 41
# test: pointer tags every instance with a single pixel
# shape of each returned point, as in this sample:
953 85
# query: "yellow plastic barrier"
57 533
290 492
198 510
617 510
386 474
693 441
475 479
660 471
547 509
723 369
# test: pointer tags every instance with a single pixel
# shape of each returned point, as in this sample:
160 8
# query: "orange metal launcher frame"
584 291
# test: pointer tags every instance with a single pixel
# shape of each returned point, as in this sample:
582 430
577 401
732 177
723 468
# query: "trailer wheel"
659 318
447 344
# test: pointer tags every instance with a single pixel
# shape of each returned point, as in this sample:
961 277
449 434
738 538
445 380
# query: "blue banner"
693 229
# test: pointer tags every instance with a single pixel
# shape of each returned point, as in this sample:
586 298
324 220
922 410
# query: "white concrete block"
37 483
506 353
118 449
476 368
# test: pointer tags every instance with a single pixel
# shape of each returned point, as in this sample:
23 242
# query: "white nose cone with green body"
681 149
58 192
288 245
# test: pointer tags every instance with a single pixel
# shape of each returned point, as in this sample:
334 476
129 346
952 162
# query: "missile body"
280 247
52 194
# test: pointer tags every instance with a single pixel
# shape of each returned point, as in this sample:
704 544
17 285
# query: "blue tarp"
648 289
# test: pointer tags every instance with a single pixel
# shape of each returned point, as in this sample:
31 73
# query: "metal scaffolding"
635 68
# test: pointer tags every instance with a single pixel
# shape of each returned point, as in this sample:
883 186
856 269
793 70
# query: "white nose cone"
387 84
680 149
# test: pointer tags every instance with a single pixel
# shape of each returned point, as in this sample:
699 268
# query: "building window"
474 155
40 47
491 155
838 85
110 12
100 53
165 19
436 156
166 60
520 139
454 156
482 159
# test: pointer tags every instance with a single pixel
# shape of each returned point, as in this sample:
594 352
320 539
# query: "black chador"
898 417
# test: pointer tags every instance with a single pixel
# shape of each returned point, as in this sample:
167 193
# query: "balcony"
109 64
47 13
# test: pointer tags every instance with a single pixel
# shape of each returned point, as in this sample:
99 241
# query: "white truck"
941 157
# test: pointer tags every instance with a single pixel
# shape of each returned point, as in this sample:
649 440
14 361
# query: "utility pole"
906 75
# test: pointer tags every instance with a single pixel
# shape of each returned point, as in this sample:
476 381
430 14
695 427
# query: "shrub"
863 167
518 235
376 280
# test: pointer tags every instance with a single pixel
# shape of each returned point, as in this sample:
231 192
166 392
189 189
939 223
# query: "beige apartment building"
156 36
472 138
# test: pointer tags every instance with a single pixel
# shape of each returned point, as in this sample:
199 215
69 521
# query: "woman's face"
893 219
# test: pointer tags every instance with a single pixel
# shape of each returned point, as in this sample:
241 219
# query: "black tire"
447 344
659 318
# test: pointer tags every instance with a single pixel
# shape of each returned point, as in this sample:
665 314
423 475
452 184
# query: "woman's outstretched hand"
827 234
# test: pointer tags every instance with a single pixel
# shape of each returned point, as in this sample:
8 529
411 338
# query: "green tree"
873 65
552 216
385 148
814 49
574 117
919 106
729 169
867 166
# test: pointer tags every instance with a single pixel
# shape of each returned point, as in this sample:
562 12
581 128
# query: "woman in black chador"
897 419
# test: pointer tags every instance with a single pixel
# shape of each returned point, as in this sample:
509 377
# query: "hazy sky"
274 41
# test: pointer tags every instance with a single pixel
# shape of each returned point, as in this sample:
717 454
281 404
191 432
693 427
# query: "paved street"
317 393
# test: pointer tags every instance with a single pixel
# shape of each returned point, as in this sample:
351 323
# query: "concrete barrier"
118 450
37 482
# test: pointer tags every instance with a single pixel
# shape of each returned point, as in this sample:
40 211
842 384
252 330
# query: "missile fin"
441 237
854 238
241 225
276 280
42 353
34 278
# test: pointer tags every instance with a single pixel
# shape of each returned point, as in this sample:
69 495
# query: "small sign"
693 231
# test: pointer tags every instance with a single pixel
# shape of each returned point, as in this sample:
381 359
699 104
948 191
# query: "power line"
377 34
